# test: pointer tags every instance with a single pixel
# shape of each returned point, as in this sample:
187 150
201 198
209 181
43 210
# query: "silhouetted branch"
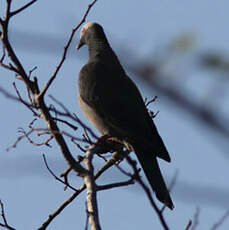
220 221
43 91
149 73
14 98
115 158
117 184
73 117
33 87
148 192
188 225
56 177
67 123
3 215
29 106
22 8
195 221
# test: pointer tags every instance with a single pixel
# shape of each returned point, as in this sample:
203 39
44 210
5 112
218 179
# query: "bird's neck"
101 49
97 46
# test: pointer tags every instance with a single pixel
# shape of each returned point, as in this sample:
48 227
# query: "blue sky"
29 192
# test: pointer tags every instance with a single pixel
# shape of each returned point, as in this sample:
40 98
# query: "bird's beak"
79 45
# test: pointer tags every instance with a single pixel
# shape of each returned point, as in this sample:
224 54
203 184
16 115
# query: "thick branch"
115 157
39 101
89 181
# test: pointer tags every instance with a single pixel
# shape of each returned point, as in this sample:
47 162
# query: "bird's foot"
108 144
103 139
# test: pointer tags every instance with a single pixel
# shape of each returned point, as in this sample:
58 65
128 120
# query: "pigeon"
111 101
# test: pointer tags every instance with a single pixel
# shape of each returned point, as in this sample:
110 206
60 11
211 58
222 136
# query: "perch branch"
89 180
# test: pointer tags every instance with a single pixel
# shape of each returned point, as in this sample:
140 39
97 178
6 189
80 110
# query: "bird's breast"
91 114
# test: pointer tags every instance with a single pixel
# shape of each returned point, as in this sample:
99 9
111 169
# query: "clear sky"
140 29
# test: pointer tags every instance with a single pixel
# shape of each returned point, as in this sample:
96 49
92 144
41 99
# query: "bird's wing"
115 97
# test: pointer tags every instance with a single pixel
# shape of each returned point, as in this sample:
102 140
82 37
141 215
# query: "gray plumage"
113 104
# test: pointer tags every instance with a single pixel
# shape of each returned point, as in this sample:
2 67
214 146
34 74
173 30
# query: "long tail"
153 173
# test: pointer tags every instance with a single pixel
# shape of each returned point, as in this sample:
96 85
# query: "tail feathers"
161 149
152 171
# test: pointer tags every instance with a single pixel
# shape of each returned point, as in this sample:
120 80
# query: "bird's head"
90 31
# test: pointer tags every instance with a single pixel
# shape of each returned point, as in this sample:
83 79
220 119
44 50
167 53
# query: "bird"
111 101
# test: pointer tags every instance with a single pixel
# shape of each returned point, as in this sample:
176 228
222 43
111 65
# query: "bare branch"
220 221
18 68
41 131
56 177
44 90
14 98
69 115
46 142
148 193
14 145
197 110
89 181
60 208
188 225
27 134
22 8
195 219
66 122
65 176
117 184
39 101
33 69
78 146
4 224
147 103
29 106
115 157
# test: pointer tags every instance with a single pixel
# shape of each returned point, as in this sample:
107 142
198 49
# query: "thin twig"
22 8
56 177
78 146
195 221
14 98
3 53
60 208
14 145
4 224
188 225
33 69
38 100
148 193
117 184
65 176
147 103
44 90
115 157
69 115
26 135
46 142
29 106
220 221
67 123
